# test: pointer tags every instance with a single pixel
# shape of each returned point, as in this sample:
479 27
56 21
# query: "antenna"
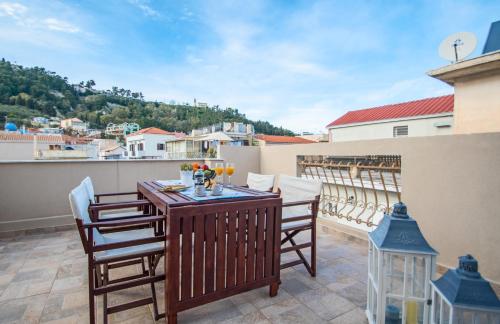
458 46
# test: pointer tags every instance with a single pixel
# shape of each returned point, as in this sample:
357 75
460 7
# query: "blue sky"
299 64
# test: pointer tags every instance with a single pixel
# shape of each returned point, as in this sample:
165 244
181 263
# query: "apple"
204 167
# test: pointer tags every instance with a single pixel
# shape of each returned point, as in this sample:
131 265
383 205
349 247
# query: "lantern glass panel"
414 312
446 313
374 305
375 265
370 257
398 303
394 266
415 276
436 304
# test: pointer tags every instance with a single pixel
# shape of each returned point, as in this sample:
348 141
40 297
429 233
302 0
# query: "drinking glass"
219 170
230 171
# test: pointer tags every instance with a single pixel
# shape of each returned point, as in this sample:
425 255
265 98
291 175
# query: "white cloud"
144 7
12 9
60 25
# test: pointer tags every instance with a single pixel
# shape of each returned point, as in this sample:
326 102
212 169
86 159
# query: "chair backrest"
87 182
298 189
262 182
79 202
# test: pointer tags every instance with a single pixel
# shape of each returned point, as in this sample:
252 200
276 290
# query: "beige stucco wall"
34 194
416 127
18 150
245 158
477 105
450 184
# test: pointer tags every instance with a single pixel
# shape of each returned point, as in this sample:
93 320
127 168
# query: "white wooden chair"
300 209
108 251
262 182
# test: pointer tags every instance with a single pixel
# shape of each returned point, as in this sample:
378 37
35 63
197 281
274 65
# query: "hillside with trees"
29 92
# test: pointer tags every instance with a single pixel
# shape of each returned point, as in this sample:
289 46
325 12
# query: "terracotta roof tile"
154 130
422 107
283 139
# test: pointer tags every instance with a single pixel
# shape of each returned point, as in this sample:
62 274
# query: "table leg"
273 289
172 319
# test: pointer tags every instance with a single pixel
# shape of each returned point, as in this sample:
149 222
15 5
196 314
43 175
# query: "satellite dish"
458 46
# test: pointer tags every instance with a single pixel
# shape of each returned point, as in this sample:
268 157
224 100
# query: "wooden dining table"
216 248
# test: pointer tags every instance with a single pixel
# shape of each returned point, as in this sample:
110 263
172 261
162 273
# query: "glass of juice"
230 170
219 170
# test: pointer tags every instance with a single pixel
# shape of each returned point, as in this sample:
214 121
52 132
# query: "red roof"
152 130
283 139
422 107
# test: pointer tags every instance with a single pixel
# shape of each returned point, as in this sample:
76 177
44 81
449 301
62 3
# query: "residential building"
122 129
110 149
424 117
16 146
149 143
40 121
314 137
75 124
477 97
264 140
206 141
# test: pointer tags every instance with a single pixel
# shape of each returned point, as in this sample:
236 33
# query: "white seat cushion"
297 189
107 238
87 182
262 182
110 214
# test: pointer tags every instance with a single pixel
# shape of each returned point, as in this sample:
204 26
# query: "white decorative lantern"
400 266
462 296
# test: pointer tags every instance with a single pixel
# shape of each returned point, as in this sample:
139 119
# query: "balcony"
448 183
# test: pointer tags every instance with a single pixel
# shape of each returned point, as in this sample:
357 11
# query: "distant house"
16 146
74 123
149 143
424 117
280 140
205 142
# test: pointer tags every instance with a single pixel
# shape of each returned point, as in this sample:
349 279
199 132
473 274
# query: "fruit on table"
204 167
196 166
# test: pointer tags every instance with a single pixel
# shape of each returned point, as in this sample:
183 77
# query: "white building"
75 124
149 143
425 117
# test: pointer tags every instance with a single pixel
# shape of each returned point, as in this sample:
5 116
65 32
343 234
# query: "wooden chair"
116 250
300 209
142 206
262 182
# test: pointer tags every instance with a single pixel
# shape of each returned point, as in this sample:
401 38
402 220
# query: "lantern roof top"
465 287
398 232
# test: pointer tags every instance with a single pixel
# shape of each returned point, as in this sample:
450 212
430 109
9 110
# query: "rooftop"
43 278
422 107
283 139
156 131
42 138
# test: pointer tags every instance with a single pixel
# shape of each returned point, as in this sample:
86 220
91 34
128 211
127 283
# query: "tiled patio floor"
43 279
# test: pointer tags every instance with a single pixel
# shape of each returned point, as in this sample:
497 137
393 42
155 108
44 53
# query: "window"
140 147
400 131
160 147
131 147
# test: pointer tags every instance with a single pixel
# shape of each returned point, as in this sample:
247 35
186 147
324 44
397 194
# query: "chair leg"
313 248
301 255
151 266
105 295
172 319
273 289
91 275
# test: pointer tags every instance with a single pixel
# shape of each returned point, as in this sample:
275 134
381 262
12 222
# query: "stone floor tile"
325 303
355 316
250 318
215 312
22 310
290 311
356 293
